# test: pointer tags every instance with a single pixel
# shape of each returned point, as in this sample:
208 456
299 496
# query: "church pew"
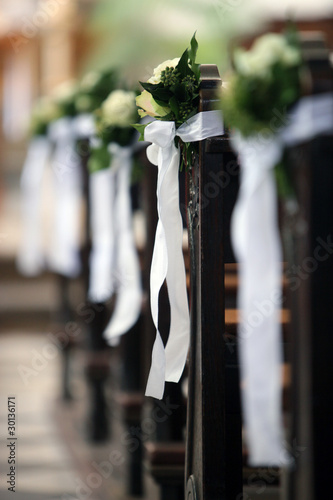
166 461
213 467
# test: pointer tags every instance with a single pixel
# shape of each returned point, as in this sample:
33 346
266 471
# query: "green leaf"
196 70
173 104
192 53
182 65
151 87
179 91
159 92
141 129
170 117
99 159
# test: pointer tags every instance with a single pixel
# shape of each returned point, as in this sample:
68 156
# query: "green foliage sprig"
172 93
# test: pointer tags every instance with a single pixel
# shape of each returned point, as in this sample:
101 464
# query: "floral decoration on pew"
259 104
172 93
113 122
114 262
94 88
171 97
31 257
267 80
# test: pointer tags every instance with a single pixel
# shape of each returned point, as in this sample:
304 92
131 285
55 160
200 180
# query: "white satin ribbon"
129 292
257 248
84 125
114 262
64 255
256 243
167 262
31 259
102 195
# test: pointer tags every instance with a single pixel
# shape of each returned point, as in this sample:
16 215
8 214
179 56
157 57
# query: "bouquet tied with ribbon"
171 97
114 262
257 105
31 258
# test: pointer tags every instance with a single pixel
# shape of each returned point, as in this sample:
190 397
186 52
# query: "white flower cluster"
170 63
119 108
65 91
266 51
45 110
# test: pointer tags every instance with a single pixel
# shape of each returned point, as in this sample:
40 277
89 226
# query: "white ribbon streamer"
167 262
31 258
102 194
83 126
256 243
114 261
64 255
257 248
129 293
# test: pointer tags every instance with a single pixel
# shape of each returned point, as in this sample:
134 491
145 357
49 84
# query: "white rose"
270 46
251 64
273 48
119 108
65 91
170 63
266 51
45 109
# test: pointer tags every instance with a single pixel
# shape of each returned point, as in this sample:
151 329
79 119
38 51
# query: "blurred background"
42 44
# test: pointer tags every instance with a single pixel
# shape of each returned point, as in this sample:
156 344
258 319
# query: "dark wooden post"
308 234
66 313
214 447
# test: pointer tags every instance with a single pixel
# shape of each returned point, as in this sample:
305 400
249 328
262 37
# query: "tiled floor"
44 465
55 460
54 457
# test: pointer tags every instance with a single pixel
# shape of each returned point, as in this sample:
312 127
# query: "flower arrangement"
113 122
172 92
64 97
94 88
257 104
266 78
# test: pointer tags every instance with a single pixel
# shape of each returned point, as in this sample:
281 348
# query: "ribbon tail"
258 251
30 258
64 257
159 268
102 194
178 341
129 295
158 272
